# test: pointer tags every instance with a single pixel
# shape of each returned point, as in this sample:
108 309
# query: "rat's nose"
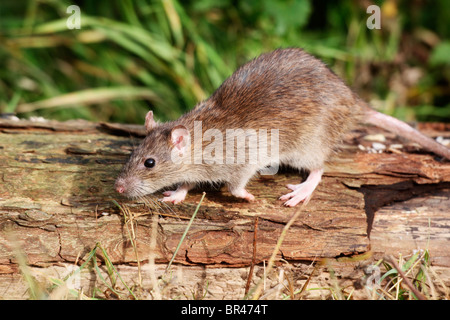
119 185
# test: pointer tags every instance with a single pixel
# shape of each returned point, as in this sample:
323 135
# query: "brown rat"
286 102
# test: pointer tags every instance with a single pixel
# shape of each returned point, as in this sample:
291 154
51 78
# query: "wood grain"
56 203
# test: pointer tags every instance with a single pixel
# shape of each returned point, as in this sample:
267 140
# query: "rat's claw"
302 191
297 199
286 196
170 199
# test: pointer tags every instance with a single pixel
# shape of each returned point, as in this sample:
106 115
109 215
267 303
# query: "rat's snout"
120 185
130 187
120 188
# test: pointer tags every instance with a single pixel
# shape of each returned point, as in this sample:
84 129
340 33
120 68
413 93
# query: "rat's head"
157 162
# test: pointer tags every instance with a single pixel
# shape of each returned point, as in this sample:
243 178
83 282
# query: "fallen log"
57 202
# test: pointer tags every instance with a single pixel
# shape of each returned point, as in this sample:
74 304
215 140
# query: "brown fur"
286 89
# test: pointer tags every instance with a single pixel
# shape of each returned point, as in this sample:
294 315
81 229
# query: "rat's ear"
180 139
150 123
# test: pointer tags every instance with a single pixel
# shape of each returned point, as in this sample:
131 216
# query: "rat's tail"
402 129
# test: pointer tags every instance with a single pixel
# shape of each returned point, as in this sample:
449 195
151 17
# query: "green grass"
168 55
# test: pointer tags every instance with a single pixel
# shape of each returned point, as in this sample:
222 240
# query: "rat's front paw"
174 196
178 195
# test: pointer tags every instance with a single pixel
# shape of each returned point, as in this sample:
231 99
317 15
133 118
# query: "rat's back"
288 90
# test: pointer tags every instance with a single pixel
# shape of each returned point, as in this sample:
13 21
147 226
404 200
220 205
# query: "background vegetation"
167 55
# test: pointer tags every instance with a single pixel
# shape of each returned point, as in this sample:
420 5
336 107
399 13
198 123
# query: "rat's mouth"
132 187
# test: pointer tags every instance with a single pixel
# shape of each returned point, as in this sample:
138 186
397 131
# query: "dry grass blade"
129 223
152 266
250 272
298 211
34 289
445 289
185 232
88 96
111 266
155 204
305 285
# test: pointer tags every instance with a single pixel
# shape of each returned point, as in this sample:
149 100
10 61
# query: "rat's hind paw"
244 194
302 191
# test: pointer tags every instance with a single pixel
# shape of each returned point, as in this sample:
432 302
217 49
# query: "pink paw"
295 199
248 196
303 191
174 196
244 194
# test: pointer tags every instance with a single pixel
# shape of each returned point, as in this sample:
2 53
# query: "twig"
406 281
305 285
250 272
185 232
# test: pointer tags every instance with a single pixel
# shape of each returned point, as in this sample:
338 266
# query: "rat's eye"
149 163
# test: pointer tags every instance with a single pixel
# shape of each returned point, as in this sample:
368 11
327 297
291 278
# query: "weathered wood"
56 202
419 223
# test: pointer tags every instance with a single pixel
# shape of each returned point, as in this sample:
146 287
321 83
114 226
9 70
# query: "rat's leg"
303 191
178 195
237 187
242 193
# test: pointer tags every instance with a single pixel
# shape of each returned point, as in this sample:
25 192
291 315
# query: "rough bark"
56 203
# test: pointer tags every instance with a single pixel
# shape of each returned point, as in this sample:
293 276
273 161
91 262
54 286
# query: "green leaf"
440 54
288 14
